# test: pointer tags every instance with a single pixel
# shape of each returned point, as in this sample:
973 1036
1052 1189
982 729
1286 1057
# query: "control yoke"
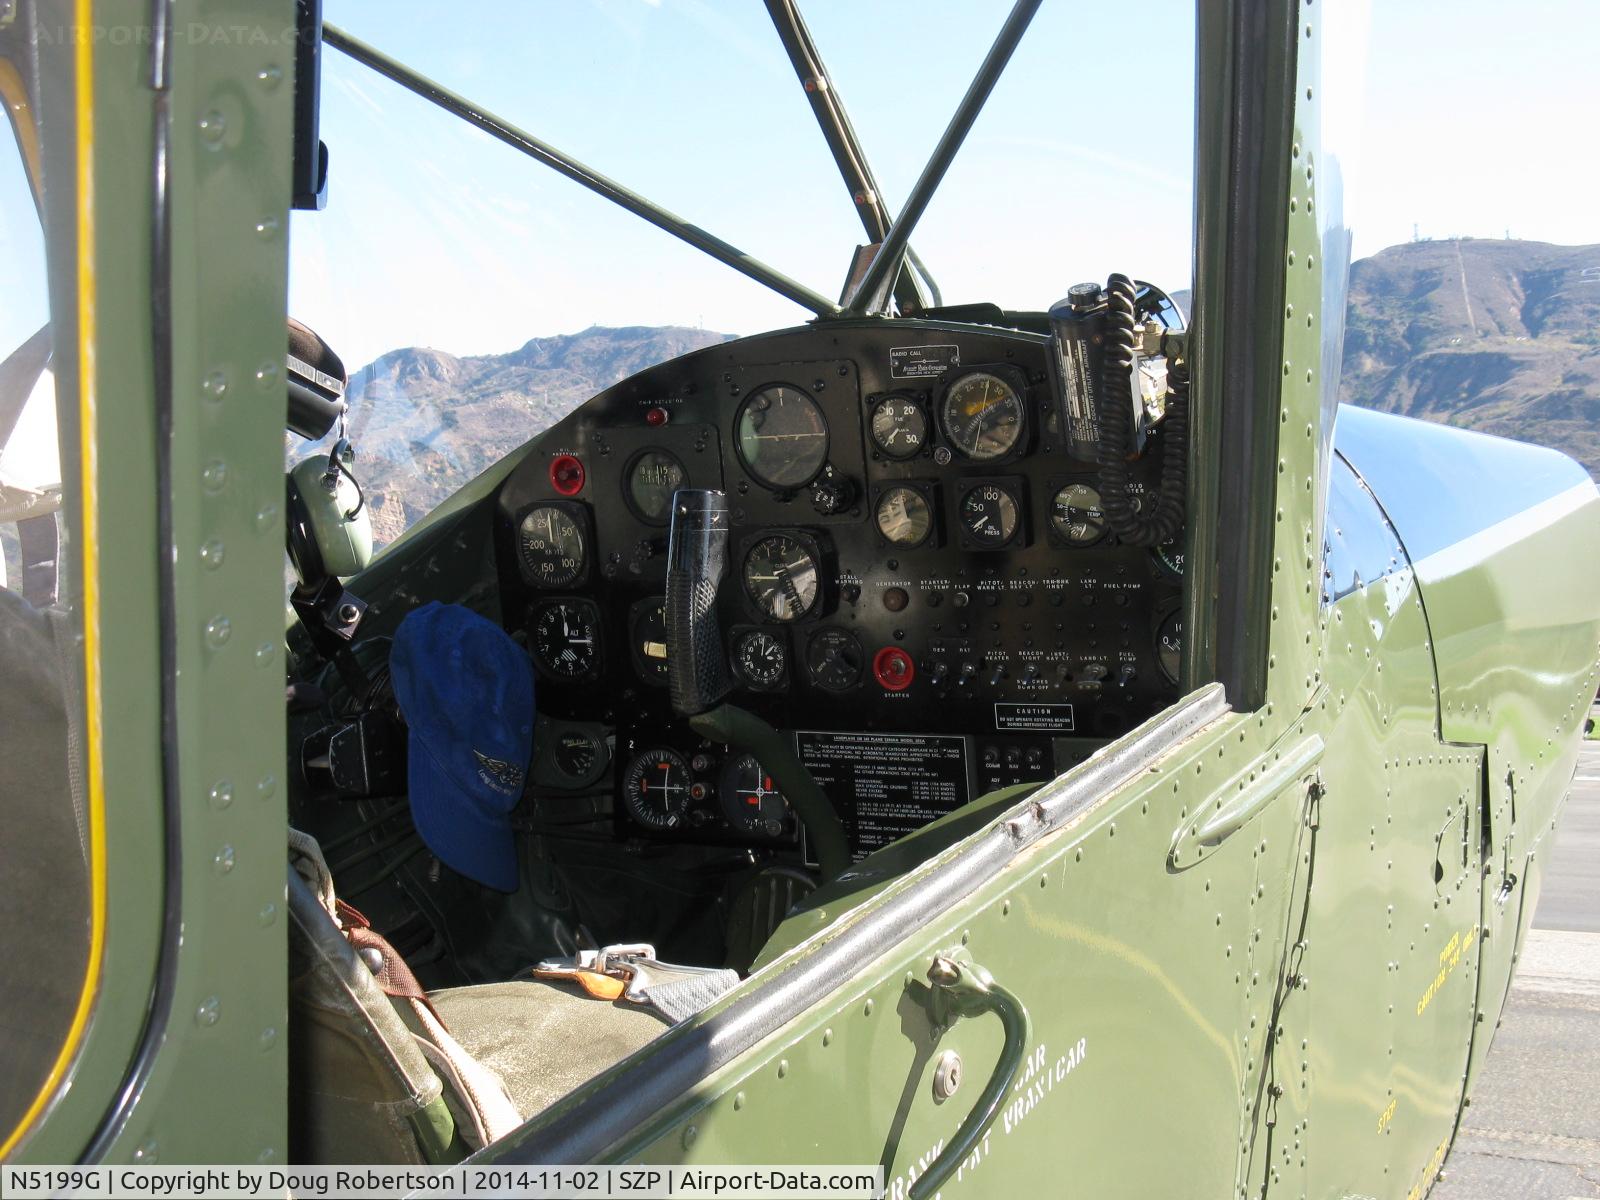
697 559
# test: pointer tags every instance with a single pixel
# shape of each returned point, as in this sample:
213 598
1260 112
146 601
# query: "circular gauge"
550 541
647 624
760 658
566 641
780 577
750 802
576 755
1169 645
1076 515
904 516
652 478
835 660
989 515
983 416
899 427
782 437
1169 555
656 788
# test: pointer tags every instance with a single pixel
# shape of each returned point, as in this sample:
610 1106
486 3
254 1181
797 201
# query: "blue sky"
436 235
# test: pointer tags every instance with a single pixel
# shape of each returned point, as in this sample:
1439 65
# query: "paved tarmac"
1533 1131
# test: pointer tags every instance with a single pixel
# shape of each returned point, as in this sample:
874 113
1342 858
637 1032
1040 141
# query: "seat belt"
632 972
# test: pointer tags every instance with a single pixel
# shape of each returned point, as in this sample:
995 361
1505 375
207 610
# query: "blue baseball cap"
466 690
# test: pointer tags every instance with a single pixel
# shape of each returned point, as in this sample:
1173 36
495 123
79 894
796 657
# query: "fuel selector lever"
697 670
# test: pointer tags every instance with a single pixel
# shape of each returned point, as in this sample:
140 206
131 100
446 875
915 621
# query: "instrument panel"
914 560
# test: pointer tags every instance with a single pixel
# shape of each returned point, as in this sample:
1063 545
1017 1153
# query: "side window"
44 859
1359 546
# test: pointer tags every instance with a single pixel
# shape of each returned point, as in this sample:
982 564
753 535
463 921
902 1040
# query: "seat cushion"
544 1038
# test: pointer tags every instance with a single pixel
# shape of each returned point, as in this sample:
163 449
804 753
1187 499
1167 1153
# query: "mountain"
1498 336
424 422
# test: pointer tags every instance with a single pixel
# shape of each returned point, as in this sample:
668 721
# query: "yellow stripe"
83 69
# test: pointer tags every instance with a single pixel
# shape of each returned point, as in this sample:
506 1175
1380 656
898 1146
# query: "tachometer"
655 789
782 437
899 426
984 416
551 545
1076 515
781 577
990 516
750 801
566 639
760 658
652 478
904 516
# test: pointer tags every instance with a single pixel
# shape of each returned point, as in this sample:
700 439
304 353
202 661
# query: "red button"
566 474
655 417
892 667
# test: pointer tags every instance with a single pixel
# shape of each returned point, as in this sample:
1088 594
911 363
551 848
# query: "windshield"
477 296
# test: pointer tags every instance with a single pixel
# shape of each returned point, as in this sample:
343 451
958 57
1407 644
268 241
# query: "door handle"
967 990
1239 801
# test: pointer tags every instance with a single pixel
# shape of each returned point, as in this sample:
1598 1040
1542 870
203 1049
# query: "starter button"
893 669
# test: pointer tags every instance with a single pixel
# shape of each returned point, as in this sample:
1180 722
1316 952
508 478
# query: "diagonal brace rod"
871 295
518 139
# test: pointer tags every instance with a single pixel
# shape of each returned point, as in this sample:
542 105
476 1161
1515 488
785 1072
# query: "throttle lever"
697 558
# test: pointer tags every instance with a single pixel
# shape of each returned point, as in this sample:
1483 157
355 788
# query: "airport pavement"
1533 1131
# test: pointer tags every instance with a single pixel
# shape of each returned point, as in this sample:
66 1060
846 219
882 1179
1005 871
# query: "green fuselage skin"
1269 961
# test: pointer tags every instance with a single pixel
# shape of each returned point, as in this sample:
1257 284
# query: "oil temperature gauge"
1076 515
655 789
750 802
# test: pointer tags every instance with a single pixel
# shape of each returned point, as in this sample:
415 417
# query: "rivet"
221 794
267 1155
827 1037
266 515
213 127
268 1038
209 1012
218 630
215 385
215 476
689 1134
224 860
738 1101
212 552
270 76
267 785
267 374
268 914
264 653
866 1009
146 1151
267 228
1005 908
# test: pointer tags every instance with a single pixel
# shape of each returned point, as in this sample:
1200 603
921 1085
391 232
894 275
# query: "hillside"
424 422
1499 336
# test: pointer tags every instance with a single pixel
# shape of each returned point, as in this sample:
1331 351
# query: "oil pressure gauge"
991 515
